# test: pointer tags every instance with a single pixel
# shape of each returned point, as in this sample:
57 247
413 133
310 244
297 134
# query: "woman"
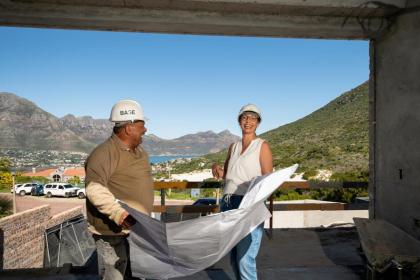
246 159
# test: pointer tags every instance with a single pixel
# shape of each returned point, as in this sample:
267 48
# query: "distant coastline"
159 159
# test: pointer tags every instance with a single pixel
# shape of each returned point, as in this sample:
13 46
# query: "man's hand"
217 171
127 221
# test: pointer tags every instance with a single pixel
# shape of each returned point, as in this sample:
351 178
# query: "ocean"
159 159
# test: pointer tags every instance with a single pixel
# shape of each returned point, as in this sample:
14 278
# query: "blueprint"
165 250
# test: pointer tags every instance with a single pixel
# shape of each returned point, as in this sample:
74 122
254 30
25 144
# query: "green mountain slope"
335 138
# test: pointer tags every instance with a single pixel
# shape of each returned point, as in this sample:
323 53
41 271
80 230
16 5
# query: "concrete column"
395 124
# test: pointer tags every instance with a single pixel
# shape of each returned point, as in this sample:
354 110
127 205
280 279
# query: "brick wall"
63 216
22 236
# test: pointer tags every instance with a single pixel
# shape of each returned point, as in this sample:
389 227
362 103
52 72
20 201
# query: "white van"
60 189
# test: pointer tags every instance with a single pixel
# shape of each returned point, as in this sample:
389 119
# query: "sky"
185 83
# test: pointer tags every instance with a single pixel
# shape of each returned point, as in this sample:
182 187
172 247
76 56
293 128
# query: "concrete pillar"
395 124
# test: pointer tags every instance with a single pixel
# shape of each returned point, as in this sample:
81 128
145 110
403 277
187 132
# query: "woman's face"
249 122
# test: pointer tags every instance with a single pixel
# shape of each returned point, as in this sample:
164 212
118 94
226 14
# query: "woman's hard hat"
127 111
250 108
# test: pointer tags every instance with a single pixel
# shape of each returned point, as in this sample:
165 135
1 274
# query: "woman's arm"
266 158
218 172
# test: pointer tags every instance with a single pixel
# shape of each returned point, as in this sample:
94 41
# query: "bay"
160 159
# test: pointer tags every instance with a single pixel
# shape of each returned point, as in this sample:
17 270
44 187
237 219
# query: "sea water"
159 159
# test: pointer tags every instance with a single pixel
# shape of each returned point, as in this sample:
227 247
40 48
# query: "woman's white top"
243 167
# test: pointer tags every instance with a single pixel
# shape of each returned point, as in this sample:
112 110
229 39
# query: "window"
56 178
61 187
68 186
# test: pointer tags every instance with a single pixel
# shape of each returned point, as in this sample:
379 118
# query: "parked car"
60 189
15 187
208 201
81 193
37 190
25 188
205 201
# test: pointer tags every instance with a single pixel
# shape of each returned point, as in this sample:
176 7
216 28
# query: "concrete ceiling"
336 19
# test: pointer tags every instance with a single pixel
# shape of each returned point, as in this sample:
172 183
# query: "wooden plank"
276 207
186 209
309 206
186 185
292 185
289 185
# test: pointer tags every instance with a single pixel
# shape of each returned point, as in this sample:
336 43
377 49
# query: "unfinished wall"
22 236
395 121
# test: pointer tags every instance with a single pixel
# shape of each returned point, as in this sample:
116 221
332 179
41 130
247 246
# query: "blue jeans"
243 255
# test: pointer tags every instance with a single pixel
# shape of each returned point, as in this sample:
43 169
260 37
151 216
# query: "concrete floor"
291 254
301 254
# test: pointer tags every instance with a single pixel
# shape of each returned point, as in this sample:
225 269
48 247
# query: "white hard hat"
125 111
250 108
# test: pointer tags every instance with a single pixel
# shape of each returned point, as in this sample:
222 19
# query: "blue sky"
185 83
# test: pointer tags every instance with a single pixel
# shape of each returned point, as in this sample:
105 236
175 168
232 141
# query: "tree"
5 165
6 180
29 179
74 181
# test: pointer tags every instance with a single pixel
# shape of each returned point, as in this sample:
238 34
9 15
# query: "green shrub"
29 179
6 206
6 180
310 173
355 176
347 195
75 181
291 195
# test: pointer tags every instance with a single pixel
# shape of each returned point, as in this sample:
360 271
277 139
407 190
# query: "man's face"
137 131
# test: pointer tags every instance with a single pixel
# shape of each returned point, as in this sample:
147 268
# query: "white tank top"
243 168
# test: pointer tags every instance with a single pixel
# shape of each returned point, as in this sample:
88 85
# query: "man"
118 169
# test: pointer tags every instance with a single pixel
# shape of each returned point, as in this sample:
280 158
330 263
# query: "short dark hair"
118 129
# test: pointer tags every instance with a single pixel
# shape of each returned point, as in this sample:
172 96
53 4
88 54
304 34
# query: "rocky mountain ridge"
26 126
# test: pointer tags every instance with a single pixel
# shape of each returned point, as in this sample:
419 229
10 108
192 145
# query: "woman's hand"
217 171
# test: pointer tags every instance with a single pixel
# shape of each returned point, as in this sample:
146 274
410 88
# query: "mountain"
335 137
26 126
191 144
90 129
98 130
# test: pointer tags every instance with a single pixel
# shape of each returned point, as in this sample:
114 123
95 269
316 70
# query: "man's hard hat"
250 108
126 111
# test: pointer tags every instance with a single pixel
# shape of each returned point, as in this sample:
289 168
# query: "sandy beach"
193 176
